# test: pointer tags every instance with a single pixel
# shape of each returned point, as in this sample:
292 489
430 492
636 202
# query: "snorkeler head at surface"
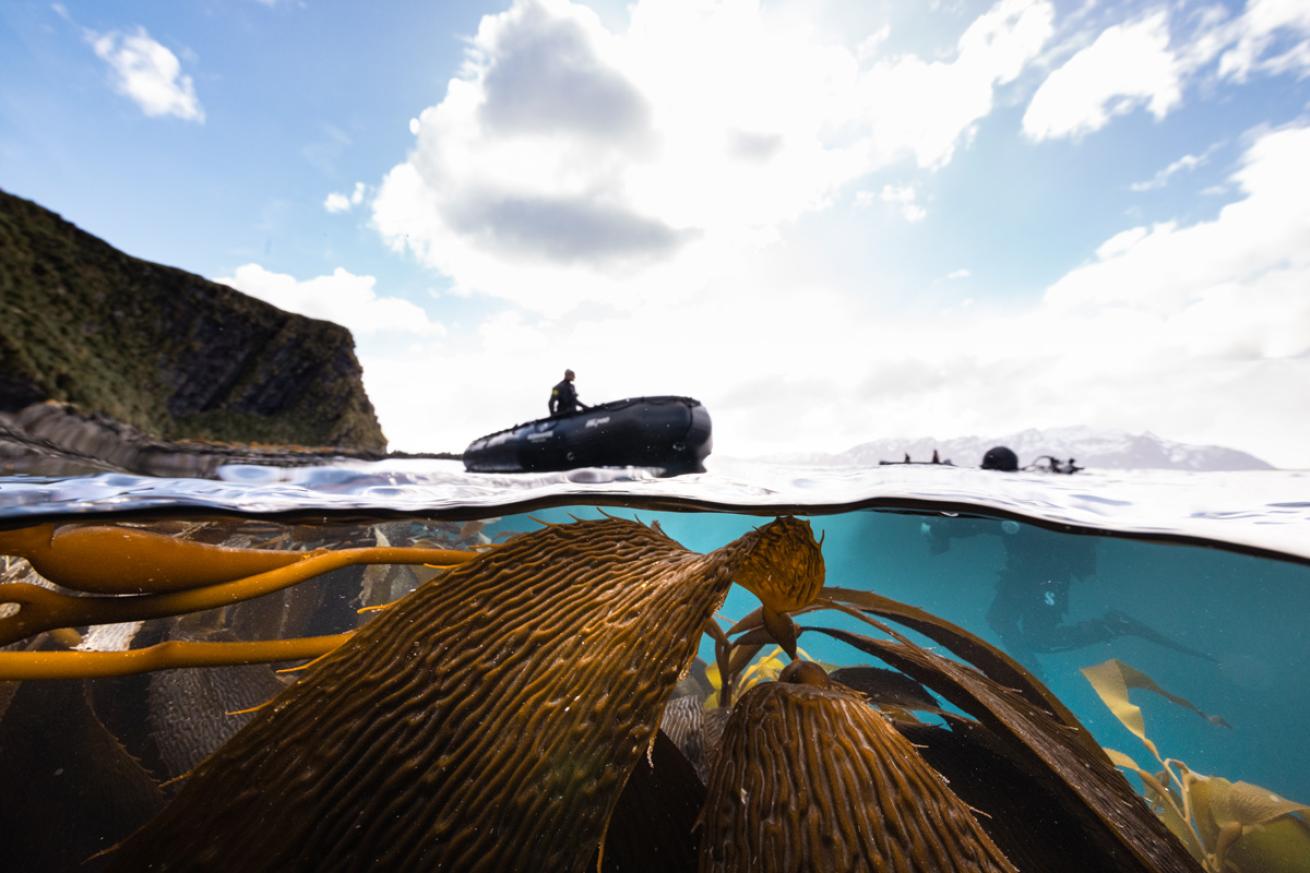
1000 458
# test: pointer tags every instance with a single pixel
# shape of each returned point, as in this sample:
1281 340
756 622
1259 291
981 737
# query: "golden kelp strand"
161 656
486 722
42 609
809 777
116 559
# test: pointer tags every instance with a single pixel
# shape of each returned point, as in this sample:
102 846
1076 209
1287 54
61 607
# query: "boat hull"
671 433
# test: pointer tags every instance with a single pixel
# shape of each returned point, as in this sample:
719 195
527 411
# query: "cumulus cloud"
1222 287
570 161
1129 65
341 297
149 74
337 202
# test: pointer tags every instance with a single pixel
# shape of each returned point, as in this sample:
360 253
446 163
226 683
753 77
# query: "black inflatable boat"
672 433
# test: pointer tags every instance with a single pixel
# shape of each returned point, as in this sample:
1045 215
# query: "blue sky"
830 221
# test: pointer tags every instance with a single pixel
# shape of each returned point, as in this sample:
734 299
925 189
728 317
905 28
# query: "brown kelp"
488 721
809 777
1088 786
498 716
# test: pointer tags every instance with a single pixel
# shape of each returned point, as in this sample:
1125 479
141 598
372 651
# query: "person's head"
1000 458
568 375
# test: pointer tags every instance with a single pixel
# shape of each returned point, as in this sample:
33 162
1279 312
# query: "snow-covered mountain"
1092 448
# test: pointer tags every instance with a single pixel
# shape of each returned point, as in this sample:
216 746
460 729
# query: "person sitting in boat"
564 397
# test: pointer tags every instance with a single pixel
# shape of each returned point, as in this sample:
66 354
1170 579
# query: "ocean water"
1201 581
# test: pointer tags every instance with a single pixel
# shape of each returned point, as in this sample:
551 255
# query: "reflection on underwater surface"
1262 509
1219 629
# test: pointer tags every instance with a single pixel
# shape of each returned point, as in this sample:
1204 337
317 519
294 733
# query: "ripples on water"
1217 563
1266 510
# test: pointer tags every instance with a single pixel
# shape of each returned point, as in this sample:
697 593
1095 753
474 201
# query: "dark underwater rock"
164 351
72 789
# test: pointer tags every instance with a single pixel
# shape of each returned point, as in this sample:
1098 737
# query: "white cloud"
1129 65
961 273
149 74
1259 29
905 197
1227 281
1132 64
341 297
1186 163
923 108
571 163
336 202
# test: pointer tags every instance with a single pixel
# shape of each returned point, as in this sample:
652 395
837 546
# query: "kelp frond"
1232 827
42 609
162 656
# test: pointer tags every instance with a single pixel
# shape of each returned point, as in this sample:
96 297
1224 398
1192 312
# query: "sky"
829 221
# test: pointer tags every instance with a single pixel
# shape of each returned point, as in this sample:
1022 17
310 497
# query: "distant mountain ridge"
1093 448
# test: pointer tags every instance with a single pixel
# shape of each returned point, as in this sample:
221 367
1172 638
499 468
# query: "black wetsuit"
564 399
1032 590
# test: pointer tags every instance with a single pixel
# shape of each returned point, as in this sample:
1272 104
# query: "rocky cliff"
164 351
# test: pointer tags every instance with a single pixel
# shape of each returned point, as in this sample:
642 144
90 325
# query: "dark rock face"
167 352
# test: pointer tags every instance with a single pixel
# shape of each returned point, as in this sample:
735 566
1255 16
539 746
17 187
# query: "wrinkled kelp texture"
489 721
812 778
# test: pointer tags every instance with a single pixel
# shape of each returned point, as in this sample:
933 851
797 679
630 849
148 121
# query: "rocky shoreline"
58 439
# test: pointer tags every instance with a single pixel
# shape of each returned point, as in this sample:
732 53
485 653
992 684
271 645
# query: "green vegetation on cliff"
166 351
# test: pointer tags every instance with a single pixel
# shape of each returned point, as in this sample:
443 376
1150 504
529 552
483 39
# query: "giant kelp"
496 718
809 777
488 721
1231 827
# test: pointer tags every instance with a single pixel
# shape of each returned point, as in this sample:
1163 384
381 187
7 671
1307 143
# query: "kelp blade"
487 722
812 778
1130 835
